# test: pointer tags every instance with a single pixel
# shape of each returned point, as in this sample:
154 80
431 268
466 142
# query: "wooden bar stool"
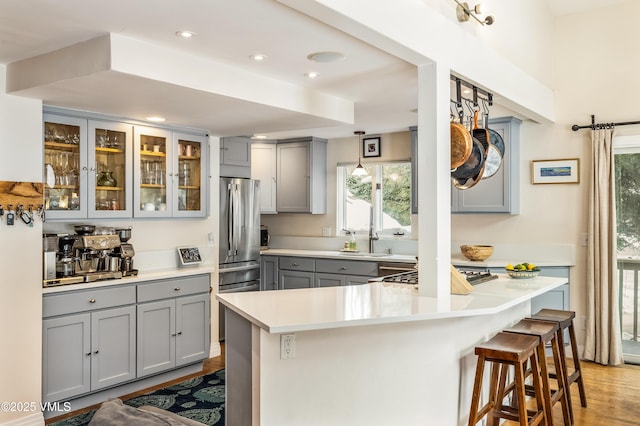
564 319
502 351
547 333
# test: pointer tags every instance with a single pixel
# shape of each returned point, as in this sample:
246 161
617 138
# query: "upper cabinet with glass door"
110 169
153 164
190 174
171 178
65 167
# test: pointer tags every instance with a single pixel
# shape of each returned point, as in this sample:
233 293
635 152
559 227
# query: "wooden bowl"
476 252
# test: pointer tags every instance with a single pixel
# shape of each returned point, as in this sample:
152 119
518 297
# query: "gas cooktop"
411 277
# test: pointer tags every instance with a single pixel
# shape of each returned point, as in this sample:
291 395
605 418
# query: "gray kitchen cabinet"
302 176
501 192
268 273
295 279
264 167
173 323
66 357
414 169
356 279
330 280
85 347
235 157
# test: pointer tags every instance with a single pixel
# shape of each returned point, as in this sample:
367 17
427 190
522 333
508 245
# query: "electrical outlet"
326 232
211 239
287 346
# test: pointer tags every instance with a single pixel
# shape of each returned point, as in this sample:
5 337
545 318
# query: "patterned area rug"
200 399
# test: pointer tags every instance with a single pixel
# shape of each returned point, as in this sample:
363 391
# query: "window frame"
376 201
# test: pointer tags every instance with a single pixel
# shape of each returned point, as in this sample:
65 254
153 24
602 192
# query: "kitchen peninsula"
372 354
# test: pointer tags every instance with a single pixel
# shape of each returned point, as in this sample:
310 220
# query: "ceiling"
381 87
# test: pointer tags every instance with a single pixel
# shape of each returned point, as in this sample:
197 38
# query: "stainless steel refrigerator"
239 238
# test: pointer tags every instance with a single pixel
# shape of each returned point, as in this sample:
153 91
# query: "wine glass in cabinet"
190 175
153 164
65 166
111 169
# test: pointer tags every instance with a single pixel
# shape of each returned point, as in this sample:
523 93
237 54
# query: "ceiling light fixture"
463 12
312 74
258 57
326 57
185 33
359 170
156 119
259 137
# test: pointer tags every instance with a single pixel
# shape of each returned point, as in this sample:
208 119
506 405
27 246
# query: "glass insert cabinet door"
65 167
110 169
189 176
153 167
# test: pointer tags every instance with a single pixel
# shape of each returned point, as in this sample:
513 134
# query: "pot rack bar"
478 93
595 125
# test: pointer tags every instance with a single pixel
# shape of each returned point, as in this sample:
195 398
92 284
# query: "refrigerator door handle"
236 208
230 238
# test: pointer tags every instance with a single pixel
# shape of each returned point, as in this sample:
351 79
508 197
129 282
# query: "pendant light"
359 170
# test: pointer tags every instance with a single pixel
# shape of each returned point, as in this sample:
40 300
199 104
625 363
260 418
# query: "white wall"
20 257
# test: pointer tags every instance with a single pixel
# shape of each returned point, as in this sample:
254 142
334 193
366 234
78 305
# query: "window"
385 192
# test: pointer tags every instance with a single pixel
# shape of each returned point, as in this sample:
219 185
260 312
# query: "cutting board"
459 284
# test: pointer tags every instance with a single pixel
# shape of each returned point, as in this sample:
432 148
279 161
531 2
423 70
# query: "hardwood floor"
210 365
611 395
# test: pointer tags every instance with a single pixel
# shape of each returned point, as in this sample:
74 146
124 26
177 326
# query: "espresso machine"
95 256
125 252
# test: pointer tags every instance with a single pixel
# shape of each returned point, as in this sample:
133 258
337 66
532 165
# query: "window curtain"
603 342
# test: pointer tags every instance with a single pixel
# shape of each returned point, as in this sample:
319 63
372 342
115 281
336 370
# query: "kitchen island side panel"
418 372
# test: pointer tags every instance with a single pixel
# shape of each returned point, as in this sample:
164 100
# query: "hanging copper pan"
461 145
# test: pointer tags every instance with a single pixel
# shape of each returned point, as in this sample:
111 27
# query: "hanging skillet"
466 176
461 145
496 147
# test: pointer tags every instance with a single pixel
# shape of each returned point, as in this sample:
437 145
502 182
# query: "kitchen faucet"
372 238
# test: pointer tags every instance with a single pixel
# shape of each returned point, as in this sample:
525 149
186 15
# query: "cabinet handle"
92 300
96 353
88 354
173 334
177 289
179 333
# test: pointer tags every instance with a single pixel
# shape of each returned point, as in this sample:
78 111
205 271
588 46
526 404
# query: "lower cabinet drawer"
173 287
87 300
347 267
297 263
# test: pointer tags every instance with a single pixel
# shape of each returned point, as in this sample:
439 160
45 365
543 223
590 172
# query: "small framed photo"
555 171
371 147
189 256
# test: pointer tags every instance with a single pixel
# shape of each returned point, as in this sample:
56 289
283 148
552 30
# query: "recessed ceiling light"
156 119
258 57
312 74
259 136
326 57
185 34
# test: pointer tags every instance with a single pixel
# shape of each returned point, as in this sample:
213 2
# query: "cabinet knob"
92 300
343 268
177 289
88 354
96 353
173 334
179 333
295 264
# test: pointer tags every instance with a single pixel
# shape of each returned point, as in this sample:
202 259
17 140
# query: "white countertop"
460 260
156 274
336 254
287 311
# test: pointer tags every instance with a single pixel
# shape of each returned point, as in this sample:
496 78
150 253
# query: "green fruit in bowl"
524 266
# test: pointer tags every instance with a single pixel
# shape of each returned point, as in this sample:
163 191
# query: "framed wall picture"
555 171
189 256
371 147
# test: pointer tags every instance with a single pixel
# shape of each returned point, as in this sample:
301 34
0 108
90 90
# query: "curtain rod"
593 124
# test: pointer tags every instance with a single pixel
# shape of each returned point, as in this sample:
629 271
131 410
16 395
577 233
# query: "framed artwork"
189 256
371 147
555 171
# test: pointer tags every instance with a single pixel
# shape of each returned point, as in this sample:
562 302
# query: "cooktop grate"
473 277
